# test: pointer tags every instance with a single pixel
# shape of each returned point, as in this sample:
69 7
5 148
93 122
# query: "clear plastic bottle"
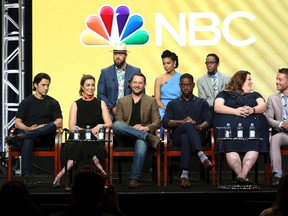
87 133
239 130
252 130
228 131
101 133
76 133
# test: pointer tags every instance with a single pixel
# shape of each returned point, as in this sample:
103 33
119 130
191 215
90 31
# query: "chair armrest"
212 139
11 132
58 137
165 136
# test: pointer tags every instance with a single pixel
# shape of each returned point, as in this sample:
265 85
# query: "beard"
137 93
119 64
211 72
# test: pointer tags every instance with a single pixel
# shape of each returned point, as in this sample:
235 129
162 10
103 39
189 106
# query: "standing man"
114 80
277 116
137 119
189 118
37 120
211 83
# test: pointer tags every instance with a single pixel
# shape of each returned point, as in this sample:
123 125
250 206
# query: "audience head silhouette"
15 198
281 201
88 187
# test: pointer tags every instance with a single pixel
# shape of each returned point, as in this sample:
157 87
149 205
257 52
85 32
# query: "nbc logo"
113 27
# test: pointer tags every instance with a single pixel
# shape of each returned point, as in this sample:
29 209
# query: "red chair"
268 172
116 151
175 151
53 151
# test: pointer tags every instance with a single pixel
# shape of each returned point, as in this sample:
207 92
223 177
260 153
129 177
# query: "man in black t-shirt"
37 120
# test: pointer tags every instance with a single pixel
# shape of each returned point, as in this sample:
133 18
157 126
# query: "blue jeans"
38 137
126 135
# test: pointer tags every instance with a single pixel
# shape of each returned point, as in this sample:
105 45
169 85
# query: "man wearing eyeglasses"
211 83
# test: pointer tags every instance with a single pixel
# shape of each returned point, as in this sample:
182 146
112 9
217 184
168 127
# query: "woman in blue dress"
166 86
238 103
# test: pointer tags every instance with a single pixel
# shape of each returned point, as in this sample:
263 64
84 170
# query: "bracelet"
254 110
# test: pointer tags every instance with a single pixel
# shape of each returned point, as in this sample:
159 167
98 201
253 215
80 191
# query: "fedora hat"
120 48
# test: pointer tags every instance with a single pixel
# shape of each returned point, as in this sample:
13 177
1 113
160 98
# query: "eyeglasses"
207 63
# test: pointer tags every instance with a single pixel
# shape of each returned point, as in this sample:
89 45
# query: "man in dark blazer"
113 82
277 116
137 119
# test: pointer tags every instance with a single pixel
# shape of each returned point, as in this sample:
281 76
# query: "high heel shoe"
56 182
103 174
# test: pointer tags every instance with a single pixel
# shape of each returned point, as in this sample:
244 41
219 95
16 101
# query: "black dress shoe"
242 181
56 185
184 182
275 181
10 140
133 183
26 179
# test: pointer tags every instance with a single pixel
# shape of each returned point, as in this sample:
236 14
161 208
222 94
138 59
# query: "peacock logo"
112 27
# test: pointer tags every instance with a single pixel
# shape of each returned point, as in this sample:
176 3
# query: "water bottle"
239 130
76 133
252 130
228 131
87 133
101 133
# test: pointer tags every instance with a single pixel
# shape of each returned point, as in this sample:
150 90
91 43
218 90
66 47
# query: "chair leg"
256 171
208 176
119 171
165 170
154 169
9 168
170 170
267 170
202 173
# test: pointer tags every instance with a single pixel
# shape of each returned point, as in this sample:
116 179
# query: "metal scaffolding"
12 63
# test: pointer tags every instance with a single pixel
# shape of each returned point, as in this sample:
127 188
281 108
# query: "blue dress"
236 100
169 91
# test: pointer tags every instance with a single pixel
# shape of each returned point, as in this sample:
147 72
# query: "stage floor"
151 199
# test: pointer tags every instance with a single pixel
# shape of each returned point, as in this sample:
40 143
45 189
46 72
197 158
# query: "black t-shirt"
35 111
135 116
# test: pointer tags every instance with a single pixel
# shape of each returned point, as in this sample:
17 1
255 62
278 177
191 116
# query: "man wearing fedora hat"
114 80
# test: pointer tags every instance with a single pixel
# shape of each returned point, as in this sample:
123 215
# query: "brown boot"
207 164
154 140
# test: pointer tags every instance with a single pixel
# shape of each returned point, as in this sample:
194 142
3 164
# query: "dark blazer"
107 89
149 111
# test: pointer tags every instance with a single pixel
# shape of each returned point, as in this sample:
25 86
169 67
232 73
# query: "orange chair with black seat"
49 151
175 151
117 151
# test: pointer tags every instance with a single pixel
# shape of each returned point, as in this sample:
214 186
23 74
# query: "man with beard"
114 80
211 83
277 116
137 119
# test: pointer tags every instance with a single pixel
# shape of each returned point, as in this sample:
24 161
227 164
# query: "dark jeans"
44 136
190 140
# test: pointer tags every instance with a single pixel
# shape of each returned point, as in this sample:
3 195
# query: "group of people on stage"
122 104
